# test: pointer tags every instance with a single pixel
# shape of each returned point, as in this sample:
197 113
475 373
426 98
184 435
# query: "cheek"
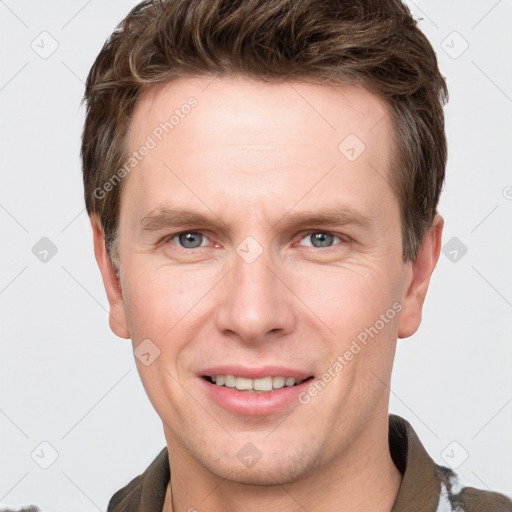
348 299
159 307
161 301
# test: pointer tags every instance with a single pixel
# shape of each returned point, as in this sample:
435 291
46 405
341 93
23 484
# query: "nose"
256 304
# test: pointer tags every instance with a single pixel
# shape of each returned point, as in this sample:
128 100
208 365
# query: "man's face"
250 290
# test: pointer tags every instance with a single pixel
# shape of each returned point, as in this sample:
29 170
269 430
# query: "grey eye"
321 239
190 240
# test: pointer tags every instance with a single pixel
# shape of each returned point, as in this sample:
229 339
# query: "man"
262 178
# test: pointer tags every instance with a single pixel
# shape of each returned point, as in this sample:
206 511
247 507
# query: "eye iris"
324 239
190 240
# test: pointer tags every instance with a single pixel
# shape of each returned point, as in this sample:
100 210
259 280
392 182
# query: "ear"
117 316
418 279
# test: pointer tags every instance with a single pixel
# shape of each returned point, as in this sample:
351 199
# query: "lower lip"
254 404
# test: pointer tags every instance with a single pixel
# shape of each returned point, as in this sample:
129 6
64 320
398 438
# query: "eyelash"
342 238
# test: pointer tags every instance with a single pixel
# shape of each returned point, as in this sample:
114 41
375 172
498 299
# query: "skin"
249 155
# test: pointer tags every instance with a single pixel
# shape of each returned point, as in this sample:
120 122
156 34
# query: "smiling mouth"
259 386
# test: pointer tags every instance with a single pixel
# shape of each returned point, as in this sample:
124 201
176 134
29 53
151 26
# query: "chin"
260 474
270 466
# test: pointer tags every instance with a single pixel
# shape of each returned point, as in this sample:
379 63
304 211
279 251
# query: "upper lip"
254 373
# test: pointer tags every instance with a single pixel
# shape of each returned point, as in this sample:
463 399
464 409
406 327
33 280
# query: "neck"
362 478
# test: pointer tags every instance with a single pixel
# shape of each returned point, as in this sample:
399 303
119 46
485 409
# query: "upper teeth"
263 384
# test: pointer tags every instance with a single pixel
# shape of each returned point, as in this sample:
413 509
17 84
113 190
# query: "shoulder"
123 499
430 487
146 491
458 498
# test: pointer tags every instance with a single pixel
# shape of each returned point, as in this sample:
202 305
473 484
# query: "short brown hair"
375 43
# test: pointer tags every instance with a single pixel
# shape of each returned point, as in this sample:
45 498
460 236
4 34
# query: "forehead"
229 103
241 134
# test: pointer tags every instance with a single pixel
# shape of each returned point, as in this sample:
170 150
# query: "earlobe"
418 279
117 316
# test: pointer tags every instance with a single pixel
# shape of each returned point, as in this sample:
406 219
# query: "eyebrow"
338 215
165 218
172 217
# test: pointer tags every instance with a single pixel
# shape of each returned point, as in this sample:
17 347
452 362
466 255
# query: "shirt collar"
421 483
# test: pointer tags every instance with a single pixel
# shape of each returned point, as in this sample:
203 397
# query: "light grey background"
66 380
